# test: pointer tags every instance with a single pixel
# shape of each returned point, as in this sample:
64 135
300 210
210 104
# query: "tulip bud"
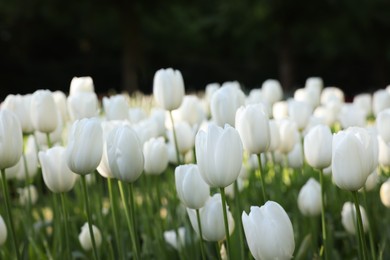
372 181
225 102
314 86
253 126
287 132
124 151
190 187
85 146
56 174
156 156
354 157
332 94
383 124
190 111
380 101
299 112
116 108
280 110
62 107
351 115
384 152
270 220
168 88
85 237
176 242
211 219
3 231
295 156
364 102
185 137
11 136
20 105
274 136
318 147
272 91
385 193
349 218
309 198
43 111
214 149
26 193
137 114
83 105
81 85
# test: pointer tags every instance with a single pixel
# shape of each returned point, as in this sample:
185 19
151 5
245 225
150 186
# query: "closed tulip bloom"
85 237
176 242
211 218
225 102
156 156
269 221
354 157
272 90
318 147
372 181
81 84
3 231
11 139
384 152
299 112
383 125
125 155
168 88
55 136
364 102
83 105
287 132
191 111
137 114
20 105
309 198
61 104
385 193
56 173
26 193
274 136
295 156
332 94
191 189
185 137
43 111
314 86
219 155
280 110
116 107
349 218
380 101
351 115
85 146
253 126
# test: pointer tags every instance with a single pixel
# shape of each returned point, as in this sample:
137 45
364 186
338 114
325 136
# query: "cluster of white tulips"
219 175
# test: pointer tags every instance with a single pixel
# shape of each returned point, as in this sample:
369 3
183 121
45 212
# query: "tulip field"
219 174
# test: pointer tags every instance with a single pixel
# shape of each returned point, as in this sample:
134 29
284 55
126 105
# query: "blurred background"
120 43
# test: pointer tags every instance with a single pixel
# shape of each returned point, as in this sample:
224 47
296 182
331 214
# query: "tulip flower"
351 115
274 136
384 152
295 156
171 238
210 219
287 132
61 104
225 102
168 88
20 105
3 231
219 155
309 198
190 111
332 94
43 111
56 173
280 110
348 218
24 195
354 157
83 105
11 136
318 147
385 193
364 102
85 146
271 222
137 114
383 125
85 237
192 190
185 137
29 166
299 112
124 153
272 91
314 86
81 84
116 107
156 156
372 181
380 101
253 126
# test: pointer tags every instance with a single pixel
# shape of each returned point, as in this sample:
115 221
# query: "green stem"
323 226
200 235
261 178
8 209
49 144
114 218
360 225
175 139
65 216
225 220
129 222
218 250
88 210
238 216
370 231
132 215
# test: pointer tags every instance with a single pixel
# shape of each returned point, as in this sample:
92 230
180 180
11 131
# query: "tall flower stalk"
360 233
226 223
323 221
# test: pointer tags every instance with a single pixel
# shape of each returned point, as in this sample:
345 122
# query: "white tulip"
85 237
168 88
309 198
349 218
385 193
81 84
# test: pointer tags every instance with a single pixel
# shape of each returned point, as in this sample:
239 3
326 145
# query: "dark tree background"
121 43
